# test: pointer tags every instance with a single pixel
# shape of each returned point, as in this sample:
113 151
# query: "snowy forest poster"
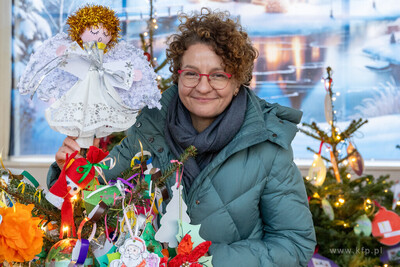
296 39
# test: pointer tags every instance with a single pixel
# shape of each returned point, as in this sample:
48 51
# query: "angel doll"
97 83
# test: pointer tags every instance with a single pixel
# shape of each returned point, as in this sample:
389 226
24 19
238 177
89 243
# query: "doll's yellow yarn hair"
93 16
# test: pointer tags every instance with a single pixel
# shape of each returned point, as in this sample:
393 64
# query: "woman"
243 187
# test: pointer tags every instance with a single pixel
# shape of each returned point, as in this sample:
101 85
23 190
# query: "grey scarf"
180 133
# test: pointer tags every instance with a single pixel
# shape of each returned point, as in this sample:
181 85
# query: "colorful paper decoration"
176 209
194 232
327 208
317 171
318 260
20 237
134 254
148 236
188 255
355 160
386 227
363 225
104 193
328 109
391 254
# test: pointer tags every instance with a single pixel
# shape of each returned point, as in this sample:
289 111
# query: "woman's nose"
204 85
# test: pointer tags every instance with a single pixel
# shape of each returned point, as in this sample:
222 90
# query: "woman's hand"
69 146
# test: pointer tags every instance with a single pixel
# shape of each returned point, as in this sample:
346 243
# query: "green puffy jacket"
250 200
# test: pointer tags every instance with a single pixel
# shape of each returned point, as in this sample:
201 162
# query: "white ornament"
175 211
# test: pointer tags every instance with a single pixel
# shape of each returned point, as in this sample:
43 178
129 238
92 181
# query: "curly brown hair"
224 35
93 16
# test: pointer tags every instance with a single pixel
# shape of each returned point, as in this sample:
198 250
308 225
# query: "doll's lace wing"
42 75
144 92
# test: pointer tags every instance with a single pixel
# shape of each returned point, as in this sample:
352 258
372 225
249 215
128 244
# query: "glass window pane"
297 40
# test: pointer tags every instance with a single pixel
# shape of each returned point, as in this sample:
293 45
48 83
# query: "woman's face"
203 102
98 34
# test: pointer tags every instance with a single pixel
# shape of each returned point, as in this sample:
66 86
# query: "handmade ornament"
355 160
386 227
198 248
20 237
98 84
175 211
327 208
189 255
148 237
101 246
106 193
396 194
363 226
134 253
391 254
317 171
318 260
75 175
60 254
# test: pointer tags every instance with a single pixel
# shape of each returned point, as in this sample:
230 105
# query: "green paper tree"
338 204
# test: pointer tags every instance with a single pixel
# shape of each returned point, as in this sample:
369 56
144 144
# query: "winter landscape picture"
296 39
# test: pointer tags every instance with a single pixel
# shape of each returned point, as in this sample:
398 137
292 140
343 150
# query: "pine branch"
189 152
162 65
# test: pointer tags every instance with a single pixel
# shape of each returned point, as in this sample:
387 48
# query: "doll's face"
96 33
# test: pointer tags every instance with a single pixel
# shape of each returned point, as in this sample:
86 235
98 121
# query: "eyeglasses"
217 80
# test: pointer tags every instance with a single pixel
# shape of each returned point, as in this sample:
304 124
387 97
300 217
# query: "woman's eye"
219 76
190 73
94 32
106 34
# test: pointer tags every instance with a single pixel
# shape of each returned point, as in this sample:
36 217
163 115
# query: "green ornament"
148 237
107 196
363 225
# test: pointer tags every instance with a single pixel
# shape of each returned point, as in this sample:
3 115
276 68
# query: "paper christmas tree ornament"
175 211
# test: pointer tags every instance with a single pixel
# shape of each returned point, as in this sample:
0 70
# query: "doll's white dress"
95 94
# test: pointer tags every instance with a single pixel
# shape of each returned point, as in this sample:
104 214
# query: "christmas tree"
343 206
24 189
147 40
